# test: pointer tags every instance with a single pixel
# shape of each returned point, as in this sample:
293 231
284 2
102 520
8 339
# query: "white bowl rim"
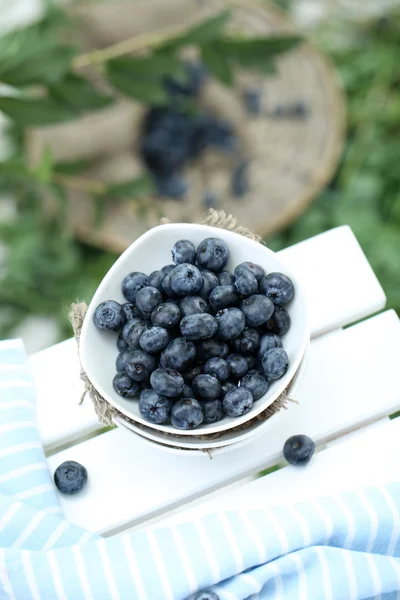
280 385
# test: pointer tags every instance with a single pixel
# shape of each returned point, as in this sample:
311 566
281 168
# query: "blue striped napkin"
345 547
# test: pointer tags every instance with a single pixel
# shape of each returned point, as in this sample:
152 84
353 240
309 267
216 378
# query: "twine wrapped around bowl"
108 413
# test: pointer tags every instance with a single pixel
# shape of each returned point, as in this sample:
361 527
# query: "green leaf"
44 169
135 188
150 67
78 93
203 33
149 91
40 111
40 68
255 52
72 167
217 64
60 194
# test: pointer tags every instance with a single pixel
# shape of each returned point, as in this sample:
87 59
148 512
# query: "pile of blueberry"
197 342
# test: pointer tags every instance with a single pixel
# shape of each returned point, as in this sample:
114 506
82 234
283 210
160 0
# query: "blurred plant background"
43 270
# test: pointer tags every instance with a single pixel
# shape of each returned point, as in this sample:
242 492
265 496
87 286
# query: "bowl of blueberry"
194 331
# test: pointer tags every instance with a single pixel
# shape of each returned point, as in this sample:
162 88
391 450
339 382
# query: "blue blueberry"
185 279
253 362
108 316
206 595
279 323
225 278
187 391
210 281
166 315
213 411
171 185
212 132
246 284
121 343
275 363
223 296
187 414
238 402
121 359
156 279
206 387
140 365
240 183
154 339
147 299
298 449
212 254
70 477
153 407
238 365
125 386
256 270
269 341
192 372
167 382
193 305
132 283
167 269
166 286
256 383
129 311
278 287
178 354
231 323
257 309
248 342
198 327
132 332
218 367
252 101
209 348
228 386
183 251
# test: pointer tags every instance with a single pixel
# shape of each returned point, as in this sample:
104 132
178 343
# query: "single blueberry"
187 414
279 322
238 365
206 387
225 278
212 254
223 296
70 477
278 287
167 269
185 279
228 386
275 363
166 286
209 348
198 327
218 367
132 283
257 309
187 391
167 382
298 449
178 354
231 323
248 342
121 343
155 280
153 407
206 595
147 299
238 402
132 332
250 267
256 383
193 305
171 185
125 386
121 360
213 411
246 284
183 251
252 101
269 341
154 339
192 372
210 281
140 365
108 316
129 311
240 183
166 315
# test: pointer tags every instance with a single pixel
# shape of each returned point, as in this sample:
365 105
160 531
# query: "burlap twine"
106 413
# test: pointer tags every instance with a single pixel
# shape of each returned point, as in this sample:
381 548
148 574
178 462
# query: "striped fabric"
345 547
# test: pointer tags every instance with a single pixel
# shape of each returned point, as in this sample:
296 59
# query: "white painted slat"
366 459
340 287
351 379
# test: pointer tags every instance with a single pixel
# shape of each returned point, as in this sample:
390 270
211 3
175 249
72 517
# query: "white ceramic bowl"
152 251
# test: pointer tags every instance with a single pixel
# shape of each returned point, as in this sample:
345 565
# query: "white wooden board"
351 379
340 287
